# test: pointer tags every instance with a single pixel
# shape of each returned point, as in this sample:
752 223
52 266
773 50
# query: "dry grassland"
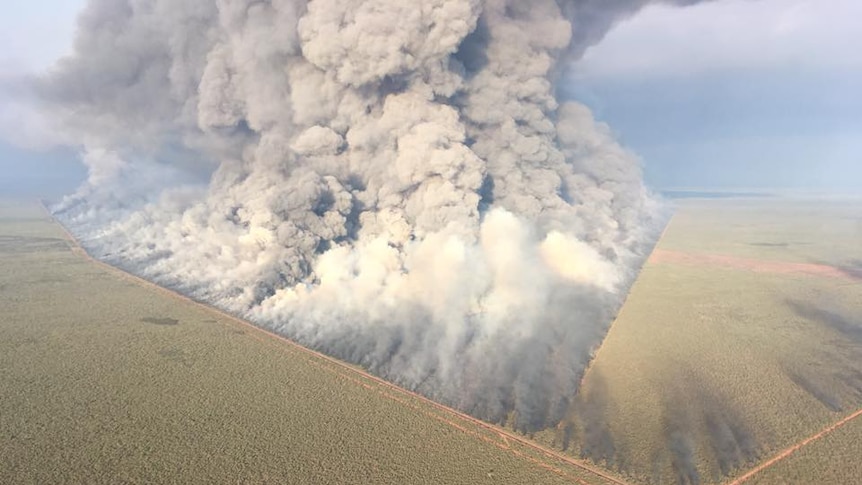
834 459
107 380
709 370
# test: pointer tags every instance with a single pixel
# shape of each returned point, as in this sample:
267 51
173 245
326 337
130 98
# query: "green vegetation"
107 380
709 370
833 459
804 231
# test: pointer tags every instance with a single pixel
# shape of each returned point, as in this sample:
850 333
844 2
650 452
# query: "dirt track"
789 451
664 256
449 416
474 427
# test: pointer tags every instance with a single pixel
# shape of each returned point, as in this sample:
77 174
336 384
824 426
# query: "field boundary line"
646 261
350 369
796 447
753 265
383 392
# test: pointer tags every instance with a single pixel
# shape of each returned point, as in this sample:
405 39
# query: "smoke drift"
391 182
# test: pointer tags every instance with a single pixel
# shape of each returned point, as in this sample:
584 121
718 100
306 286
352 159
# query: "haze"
712 111
451 208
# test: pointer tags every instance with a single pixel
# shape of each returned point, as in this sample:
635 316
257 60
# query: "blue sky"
735 93
727 94
34 33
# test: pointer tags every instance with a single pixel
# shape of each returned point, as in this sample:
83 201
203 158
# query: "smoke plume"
391 182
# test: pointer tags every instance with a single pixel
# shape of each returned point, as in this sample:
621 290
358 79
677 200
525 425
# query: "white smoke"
392 182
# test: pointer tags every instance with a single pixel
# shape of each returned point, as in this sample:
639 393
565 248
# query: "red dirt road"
452 417
664 256
789 451
475 427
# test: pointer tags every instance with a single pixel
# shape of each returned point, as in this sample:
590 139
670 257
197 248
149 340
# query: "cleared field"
712 367
106 379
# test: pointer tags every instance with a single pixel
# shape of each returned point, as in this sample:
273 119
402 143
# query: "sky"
34 33
727 94
735 93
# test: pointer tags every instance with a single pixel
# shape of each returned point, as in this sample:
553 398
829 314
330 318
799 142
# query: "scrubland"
783 229
708 371
107 380
833 459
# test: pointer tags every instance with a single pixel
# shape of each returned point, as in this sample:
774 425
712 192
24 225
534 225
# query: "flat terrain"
741 341
833 459
106 379
741 337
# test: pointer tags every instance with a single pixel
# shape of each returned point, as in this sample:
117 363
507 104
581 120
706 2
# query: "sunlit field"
108 380
724 355
741 338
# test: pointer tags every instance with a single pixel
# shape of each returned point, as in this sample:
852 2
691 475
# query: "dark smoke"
597 441
848 327
852 268
394 183
705 434
834 374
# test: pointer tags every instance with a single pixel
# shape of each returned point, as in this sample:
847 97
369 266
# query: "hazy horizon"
620 233
722 95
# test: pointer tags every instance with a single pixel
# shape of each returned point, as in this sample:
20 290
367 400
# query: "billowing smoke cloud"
392 182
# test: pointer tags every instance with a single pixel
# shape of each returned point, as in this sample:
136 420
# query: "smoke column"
389 181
